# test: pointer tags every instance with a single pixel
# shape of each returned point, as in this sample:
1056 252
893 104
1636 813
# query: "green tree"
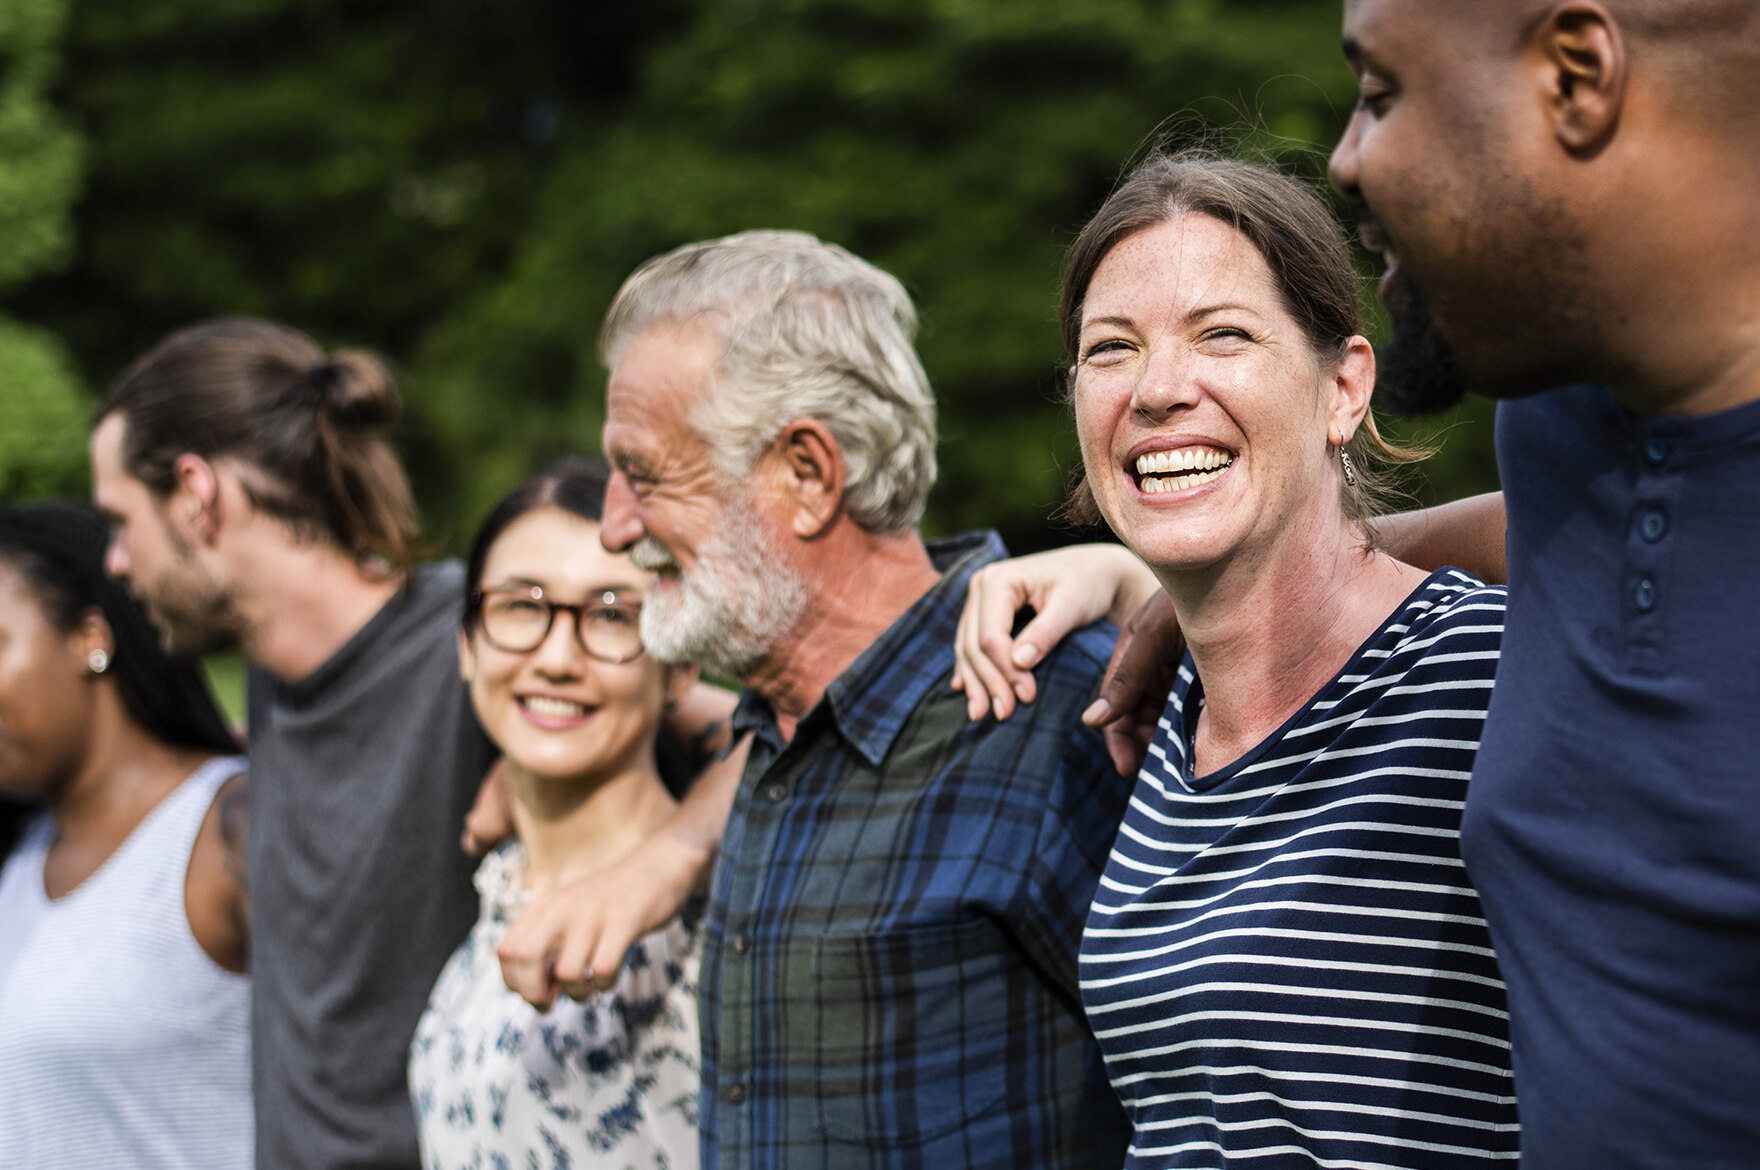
42 409
463 184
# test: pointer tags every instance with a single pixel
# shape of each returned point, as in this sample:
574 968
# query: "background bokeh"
462 184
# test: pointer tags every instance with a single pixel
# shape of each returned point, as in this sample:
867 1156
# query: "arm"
1468 534
217 883
1067 589
571 940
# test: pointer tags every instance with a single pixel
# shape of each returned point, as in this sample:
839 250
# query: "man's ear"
812 464
1586 67
195 502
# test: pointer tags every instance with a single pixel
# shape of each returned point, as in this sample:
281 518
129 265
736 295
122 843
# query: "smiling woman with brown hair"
1285 963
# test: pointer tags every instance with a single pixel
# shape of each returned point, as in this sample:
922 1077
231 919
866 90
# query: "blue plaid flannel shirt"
889 965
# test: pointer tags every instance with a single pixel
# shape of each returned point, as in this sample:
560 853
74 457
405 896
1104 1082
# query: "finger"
1101 712
524 955
1054 619
1127 742
572 969
614 943
1140 661
987 687
993 657
1121 745
964 677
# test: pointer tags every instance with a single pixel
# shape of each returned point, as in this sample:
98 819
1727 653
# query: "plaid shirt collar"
869 702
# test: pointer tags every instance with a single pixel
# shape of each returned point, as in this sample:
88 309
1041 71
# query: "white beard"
733 609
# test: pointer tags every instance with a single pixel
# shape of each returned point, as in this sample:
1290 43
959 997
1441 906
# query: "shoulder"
1451 598
435 596
1451 627
1071 671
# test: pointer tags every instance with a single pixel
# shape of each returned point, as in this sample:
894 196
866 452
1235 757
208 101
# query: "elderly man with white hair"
889 974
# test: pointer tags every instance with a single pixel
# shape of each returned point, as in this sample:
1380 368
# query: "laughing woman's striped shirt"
1285 963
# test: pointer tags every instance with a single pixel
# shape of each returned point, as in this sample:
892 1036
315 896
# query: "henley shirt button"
735 1094
1656 451
1645 595
1652 526
742 943
776 793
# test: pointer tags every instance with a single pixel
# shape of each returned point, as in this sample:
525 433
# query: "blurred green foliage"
42 409
462 184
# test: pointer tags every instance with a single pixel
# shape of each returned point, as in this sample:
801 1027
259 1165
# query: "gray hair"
808 331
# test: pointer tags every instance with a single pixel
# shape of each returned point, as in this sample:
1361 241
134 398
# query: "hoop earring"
1350 473
98 661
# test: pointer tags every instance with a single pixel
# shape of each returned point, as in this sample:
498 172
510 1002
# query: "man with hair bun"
889 969
256 504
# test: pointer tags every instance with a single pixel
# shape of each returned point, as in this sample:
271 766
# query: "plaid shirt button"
741 943
776 793
735 1094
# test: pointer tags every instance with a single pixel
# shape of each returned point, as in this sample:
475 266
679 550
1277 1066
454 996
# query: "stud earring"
98 661
1350 473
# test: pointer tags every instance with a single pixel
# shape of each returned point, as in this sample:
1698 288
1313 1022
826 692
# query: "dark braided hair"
59 549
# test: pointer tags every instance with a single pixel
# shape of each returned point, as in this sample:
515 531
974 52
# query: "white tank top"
122 1044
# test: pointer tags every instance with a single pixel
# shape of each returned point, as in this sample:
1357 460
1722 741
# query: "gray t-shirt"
361 774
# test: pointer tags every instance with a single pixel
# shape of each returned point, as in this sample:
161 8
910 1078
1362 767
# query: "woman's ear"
95 642
467 657
1351 382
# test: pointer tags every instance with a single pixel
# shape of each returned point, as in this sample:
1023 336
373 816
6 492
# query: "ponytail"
308 429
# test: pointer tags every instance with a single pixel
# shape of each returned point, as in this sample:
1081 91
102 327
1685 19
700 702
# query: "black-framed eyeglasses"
517 619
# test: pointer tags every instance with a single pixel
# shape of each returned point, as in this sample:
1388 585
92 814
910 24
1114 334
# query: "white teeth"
1155 485
556 708
1184 459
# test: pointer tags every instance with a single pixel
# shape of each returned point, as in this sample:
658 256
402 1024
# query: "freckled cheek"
1098 410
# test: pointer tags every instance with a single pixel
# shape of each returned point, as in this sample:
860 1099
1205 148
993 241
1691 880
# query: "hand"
1067 589
571 940
490 819
1133 692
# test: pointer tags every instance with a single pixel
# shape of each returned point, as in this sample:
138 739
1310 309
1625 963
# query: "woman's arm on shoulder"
1066 588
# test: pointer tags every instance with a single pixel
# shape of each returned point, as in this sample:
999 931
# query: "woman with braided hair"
124 929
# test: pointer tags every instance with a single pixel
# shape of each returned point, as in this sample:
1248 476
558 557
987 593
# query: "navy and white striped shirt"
1285 963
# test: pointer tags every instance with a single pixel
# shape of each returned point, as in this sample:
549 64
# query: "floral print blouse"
611 1083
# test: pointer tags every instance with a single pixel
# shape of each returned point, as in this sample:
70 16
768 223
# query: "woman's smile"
1180 469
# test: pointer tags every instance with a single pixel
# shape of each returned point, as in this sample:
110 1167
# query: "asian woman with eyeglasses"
550 650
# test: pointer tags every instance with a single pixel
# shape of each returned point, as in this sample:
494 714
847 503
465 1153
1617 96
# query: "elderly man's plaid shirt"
889 969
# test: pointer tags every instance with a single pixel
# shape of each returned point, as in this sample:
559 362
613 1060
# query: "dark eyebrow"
1353 50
